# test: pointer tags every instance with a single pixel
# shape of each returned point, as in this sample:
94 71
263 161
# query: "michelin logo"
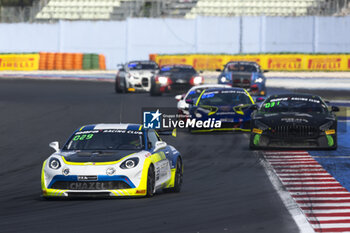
152 120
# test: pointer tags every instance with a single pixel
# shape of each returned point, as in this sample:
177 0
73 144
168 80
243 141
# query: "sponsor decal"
19 62
324 64
282 63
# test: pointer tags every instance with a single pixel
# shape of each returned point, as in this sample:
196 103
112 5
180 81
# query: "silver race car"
135 76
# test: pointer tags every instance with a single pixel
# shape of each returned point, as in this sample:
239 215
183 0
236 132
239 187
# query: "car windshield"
225 98
194 94
177 69
142 66
107 139
294 104
237 67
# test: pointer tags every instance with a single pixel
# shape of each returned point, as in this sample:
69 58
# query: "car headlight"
54 163
261 125
129 163
223 79
326 125
259 80
197 80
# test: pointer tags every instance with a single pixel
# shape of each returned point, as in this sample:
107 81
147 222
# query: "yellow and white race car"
112 160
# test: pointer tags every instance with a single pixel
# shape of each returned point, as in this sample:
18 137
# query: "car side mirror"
178 97
259 99
159 145
189 101
254 107
218 70
335 109
55 145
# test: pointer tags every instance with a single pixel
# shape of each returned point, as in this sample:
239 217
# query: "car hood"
96 156
275 119
183 76
141 73
225 110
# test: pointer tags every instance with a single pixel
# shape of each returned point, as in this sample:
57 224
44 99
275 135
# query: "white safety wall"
121 41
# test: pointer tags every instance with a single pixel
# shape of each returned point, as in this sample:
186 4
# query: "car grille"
287 131
240 82
145 82
90 185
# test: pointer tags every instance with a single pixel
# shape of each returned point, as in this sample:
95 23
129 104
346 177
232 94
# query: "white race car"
135 76
112 160
192 95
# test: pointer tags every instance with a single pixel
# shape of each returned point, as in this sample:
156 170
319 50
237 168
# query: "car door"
162 166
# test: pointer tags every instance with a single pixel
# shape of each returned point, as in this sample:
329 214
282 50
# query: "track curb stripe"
321 198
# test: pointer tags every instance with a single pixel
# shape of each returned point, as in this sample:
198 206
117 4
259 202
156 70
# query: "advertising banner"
19 62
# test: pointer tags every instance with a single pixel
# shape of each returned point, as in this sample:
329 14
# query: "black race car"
294 121
175 78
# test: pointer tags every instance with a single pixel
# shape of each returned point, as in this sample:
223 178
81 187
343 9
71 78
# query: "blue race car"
246 75
231 106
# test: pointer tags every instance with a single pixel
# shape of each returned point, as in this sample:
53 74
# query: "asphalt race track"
225 187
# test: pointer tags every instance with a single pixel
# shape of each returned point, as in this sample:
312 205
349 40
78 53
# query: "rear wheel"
151 181
178 177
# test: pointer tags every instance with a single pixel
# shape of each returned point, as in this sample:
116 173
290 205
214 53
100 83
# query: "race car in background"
135 76
246 75
175 78
231 106
112 160
294 121
192 95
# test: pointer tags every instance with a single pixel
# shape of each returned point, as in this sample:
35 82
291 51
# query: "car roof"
177 65
225 88
305 95
210 86
142 61
111 126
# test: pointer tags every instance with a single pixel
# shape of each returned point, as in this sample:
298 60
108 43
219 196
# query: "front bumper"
262 141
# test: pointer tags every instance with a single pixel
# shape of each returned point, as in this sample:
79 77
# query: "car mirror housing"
160 145
254 107
178 97
55 145
335 109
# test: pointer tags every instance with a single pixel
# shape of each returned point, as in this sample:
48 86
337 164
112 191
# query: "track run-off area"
227 187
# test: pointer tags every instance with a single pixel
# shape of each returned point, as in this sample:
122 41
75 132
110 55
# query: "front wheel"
151 181
155 89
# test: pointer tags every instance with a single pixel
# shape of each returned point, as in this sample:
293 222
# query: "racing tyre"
178 177
154 89
120 86
151 181
116 86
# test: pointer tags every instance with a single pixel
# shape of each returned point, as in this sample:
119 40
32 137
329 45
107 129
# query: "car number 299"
87 186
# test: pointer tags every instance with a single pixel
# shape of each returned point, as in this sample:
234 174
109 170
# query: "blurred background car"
231 106
244 74
175 78
192 95
135 76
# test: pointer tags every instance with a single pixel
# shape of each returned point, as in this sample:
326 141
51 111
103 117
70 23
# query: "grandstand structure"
54 10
